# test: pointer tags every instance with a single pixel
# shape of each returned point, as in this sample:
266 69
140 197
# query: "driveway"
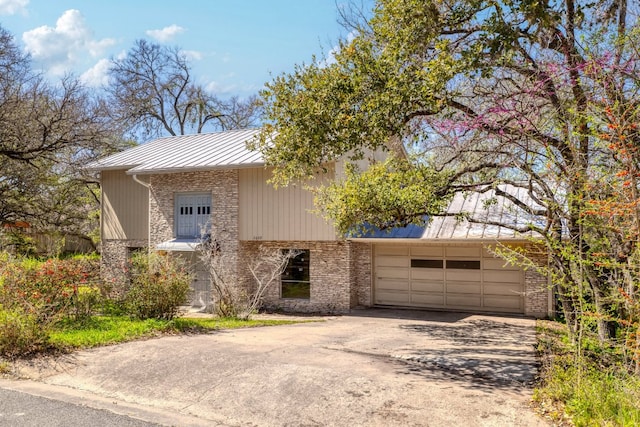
369 368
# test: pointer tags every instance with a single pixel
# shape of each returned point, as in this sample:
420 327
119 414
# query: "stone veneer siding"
362 268
113 262
537 287
331 276
223 186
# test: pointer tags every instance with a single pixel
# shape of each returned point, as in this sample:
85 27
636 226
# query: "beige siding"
285 213
125 207
369 157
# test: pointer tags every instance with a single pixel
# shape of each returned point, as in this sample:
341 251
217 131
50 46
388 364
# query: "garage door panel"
502 289
498 264
427 286
392 273
463 251
489 254
457 300
427 251
479 283
464 288
463 275
392 250
507 276
512 303
392 298
432 300
393 285
393 261
427 273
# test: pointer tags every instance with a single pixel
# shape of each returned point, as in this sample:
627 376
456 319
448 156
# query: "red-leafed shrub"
49 289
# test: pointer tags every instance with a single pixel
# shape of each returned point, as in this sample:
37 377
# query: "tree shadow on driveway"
480 354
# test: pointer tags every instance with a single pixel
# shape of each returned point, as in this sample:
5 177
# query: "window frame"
195 210
287 279
463 264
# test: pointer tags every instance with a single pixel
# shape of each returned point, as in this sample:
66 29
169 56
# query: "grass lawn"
105 330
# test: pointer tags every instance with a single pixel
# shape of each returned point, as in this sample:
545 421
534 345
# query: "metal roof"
186 153
483 207
477 206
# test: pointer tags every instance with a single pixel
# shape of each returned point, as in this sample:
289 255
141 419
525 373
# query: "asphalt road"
18 409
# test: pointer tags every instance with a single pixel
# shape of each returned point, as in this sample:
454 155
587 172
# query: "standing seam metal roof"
478 207
186 152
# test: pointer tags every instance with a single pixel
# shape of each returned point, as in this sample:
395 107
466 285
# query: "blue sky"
235 46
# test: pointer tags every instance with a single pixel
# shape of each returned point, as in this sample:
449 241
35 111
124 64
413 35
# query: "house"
164 193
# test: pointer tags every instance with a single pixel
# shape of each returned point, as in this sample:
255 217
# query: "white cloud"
11 7
165 34
97 75
61 47
231 89
218 88
192 55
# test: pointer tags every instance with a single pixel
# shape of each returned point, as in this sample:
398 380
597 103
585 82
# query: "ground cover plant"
584 385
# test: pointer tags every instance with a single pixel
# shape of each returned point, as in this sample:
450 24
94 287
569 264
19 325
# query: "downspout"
139 181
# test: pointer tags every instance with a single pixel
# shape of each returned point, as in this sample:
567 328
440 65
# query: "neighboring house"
164 193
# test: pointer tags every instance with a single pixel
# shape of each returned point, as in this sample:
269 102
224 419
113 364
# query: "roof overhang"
143 171
179 245
439 241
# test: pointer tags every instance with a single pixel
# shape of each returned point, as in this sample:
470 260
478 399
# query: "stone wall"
223 186
537 287
362 268
113 262
330 276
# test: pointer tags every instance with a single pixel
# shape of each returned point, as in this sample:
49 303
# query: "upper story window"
193 214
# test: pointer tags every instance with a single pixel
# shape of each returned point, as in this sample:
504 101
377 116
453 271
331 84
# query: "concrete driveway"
370 368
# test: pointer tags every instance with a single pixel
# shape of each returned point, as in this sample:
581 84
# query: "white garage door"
450 277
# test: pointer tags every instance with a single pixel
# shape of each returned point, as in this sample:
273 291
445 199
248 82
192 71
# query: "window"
296 278
193 214
463 265
426 263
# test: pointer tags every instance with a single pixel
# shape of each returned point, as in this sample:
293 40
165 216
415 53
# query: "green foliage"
389 194
50 289
535 102
587 384
159 286
21 333
18 243
106 330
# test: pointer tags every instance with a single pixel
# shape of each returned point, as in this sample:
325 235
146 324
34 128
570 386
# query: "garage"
448 277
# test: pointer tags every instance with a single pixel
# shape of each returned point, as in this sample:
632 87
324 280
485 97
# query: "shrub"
159 286
21 334
588 387
49 289
85 302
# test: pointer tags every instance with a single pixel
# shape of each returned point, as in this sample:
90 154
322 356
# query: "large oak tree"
153 93
537 95
47 132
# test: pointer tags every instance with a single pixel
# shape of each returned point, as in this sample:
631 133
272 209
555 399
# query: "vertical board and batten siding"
369 157
125 207
285 213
